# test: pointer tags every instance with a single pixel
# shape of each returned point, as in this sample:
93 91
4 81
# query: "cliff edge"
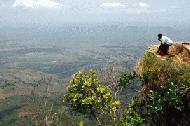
179 52
157 69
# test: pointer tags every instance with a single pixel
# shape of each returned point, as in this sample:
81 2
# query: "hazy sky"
146 11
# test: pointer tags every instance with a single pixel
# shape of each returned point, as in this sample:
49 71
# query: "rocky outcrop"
179 52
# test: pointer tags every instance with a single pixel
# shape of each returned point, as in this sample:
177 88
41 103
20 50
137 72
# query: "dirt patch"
26 110
24 114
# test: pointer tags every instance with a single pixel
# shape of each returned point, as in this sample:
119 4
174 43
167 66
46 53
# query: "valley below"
40 61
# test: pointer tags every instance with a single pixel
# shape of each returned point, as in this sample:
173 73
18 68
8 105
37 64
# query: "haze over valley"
44 42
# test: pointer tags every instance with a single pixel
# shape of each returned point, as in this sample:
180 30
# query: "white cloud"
113 4
36 4
145 5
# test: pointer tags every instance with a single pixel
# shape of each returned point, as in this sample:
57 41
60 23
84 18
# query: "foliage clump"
169 105
132 116
86 96
169 95
127 79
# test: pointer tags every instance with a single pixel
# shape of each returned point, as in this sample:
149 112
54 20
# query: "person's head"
159 36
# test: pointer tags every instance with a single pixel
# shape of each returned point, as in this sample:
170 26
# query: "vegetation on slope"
156 72
91 99
163 98
164 95
86 96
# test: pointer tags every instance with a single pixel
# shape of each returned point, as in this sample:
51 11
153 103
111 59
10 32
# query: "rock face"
180 52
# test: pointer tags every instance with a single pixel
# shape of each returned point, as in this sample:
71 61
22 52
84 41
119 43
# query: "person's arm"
160 41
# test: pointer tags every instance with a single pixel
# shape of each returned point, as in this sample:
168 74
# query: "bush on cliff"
157 71
165 91
86 96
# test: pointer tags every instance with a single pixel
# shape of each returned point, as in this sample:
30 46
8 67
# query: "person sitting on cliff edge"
166 42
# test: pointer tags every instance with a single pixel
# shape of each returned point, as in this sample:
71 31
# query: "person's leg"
160 49
166 48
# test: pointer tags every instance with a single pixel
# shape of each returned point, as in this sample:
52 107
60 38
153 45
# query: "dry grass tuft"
155 71
181 52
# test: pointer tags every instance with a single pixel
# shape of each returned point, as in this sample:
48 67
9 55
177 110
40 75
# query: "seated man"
165 44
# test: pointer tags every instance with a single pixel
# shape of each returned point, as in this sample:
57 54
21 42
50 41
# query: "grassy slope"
156 71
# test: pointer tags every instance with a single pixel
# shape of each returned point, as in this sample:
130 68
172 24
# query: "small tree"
86 96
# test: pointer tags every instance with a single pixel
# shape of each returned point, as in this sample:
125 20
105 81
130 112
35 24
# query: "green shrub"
132 116
169 105
169 95
127 78
86 96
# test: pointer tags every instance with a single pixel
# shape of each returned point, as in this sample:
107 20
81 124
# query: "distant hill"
21 82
